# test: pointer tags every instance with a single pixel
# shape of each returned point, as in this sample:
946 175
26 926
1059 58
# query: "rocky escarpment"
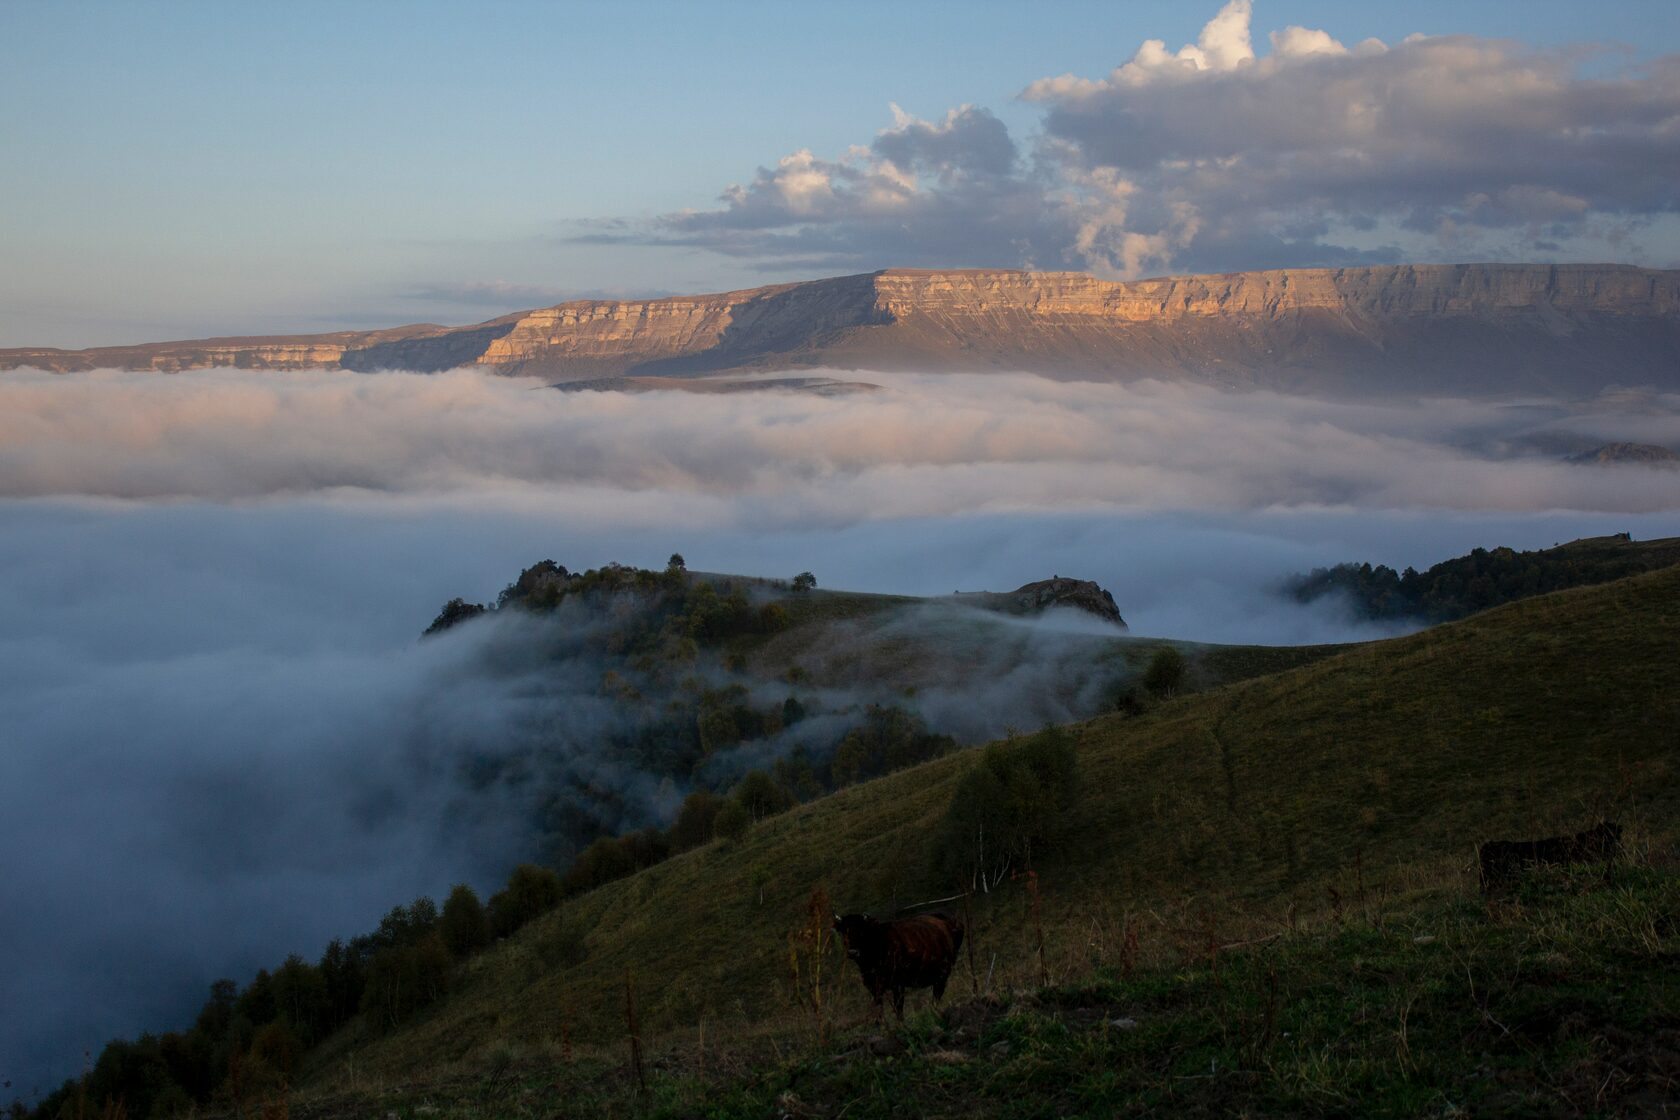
1057 591
1460 329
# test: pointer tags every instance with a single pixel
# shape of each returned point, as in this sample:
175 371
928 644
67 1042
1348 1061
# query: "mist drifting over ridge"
215 581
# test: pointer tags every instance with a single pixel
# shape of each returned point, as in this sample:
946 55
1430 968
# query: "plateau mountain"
1465 330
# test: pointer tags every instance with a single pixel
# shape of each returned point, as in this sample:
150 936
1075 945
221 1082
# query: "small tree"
804 581
732 822
463 924
676 563
530 891
1006 809
762 796
1165 673
695 820
455 611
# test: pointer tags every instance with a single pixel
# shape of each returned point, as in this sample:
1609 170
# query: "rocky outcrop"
1462 329
1058 591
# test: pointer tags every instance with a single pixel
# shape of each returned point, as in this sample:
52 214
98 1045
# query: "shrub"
732 821
530 890
562 944
463 925
889 739
693 826
1006 809
761 796
455 611
804 581
1165 673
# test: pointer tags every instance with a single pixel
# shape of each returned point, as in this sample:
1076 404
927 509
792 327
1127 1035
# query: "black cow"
1502 860
893 956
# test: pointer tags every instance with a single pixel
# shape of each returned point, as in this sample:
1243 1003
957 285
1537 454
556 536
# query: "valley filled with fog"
217 703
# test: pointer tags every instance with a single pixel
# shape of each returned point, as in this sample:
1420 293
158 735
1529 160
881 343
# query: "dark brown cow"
908 953
1503 860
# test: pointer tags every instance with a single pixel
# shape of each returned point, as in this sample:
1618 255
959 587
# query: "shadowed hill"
1383 761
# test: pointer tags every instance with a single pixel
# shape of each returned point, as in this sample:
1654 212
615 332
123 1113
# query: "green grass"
1564 1002
1358 782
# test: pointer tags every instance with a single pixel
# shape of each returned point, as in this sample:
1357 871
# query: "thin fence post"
968 936
1038 924
635 1034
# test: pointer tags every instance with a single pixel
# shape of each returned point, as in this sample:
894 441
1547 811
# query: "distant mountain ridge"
1468 329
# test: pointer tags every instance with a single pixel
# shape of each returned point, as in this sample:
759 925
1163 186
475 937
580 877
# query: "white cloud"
1212 157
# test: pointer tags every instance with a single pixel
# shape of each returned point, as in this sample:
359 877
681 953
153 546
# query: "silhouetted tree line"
1467 584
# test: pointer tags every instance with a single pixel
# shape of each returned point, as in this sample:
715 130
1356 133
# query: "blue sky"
174 170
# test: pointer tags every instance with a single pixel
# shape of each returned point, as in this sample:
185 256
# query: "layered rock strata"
1462 329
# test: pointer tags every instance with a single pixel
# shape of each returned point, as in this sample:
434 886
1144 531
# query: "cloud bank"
925 446
1218 157
223 743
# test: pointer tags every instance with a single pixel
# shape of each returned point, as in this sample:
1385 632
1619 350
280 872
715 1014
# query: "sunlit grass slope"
1368 772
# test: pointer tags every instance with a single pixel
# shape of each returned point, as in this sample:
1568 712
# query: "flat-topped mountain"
1467 329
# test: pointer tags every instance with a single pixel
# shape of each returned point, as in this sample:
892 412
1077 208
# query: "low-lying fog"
222 743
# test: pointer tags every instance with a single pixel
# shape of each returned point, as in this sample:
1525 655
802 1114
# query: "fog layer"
223 743
923 446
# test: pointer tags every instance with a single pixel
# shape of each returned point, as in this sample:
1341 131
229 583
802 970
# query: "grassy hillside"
1360 781
1561 1002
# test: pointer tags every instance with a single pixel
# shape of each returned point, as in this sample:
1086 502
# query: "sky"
188 169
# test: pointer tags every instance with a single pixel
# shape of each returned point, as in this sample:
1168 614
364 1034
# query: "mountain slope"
1377 768
1468 329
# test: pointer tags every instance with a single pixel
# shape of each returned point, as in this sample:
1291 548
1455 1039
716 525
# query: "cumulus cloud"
1216 157
954 190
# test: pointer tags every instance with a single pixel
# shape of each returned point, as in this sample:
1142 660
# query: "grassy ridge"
1371 771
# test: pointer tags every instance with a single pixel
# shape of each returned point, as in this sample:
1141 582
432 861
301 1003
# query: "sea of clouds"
223 742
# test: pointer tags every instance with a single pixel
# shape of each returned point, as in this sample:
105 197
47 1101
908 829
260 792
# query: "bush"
530 890
732 821
694 823
889 739
463 925
562 944
1007 809
1165 673
761 796
455 611
804 581
603 861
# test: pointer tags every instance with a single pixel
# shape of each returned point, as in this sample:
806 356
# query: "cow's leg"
898 1004
939 987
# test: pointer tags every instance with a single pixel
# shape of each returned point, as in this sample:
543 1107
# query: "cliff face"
1404 329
